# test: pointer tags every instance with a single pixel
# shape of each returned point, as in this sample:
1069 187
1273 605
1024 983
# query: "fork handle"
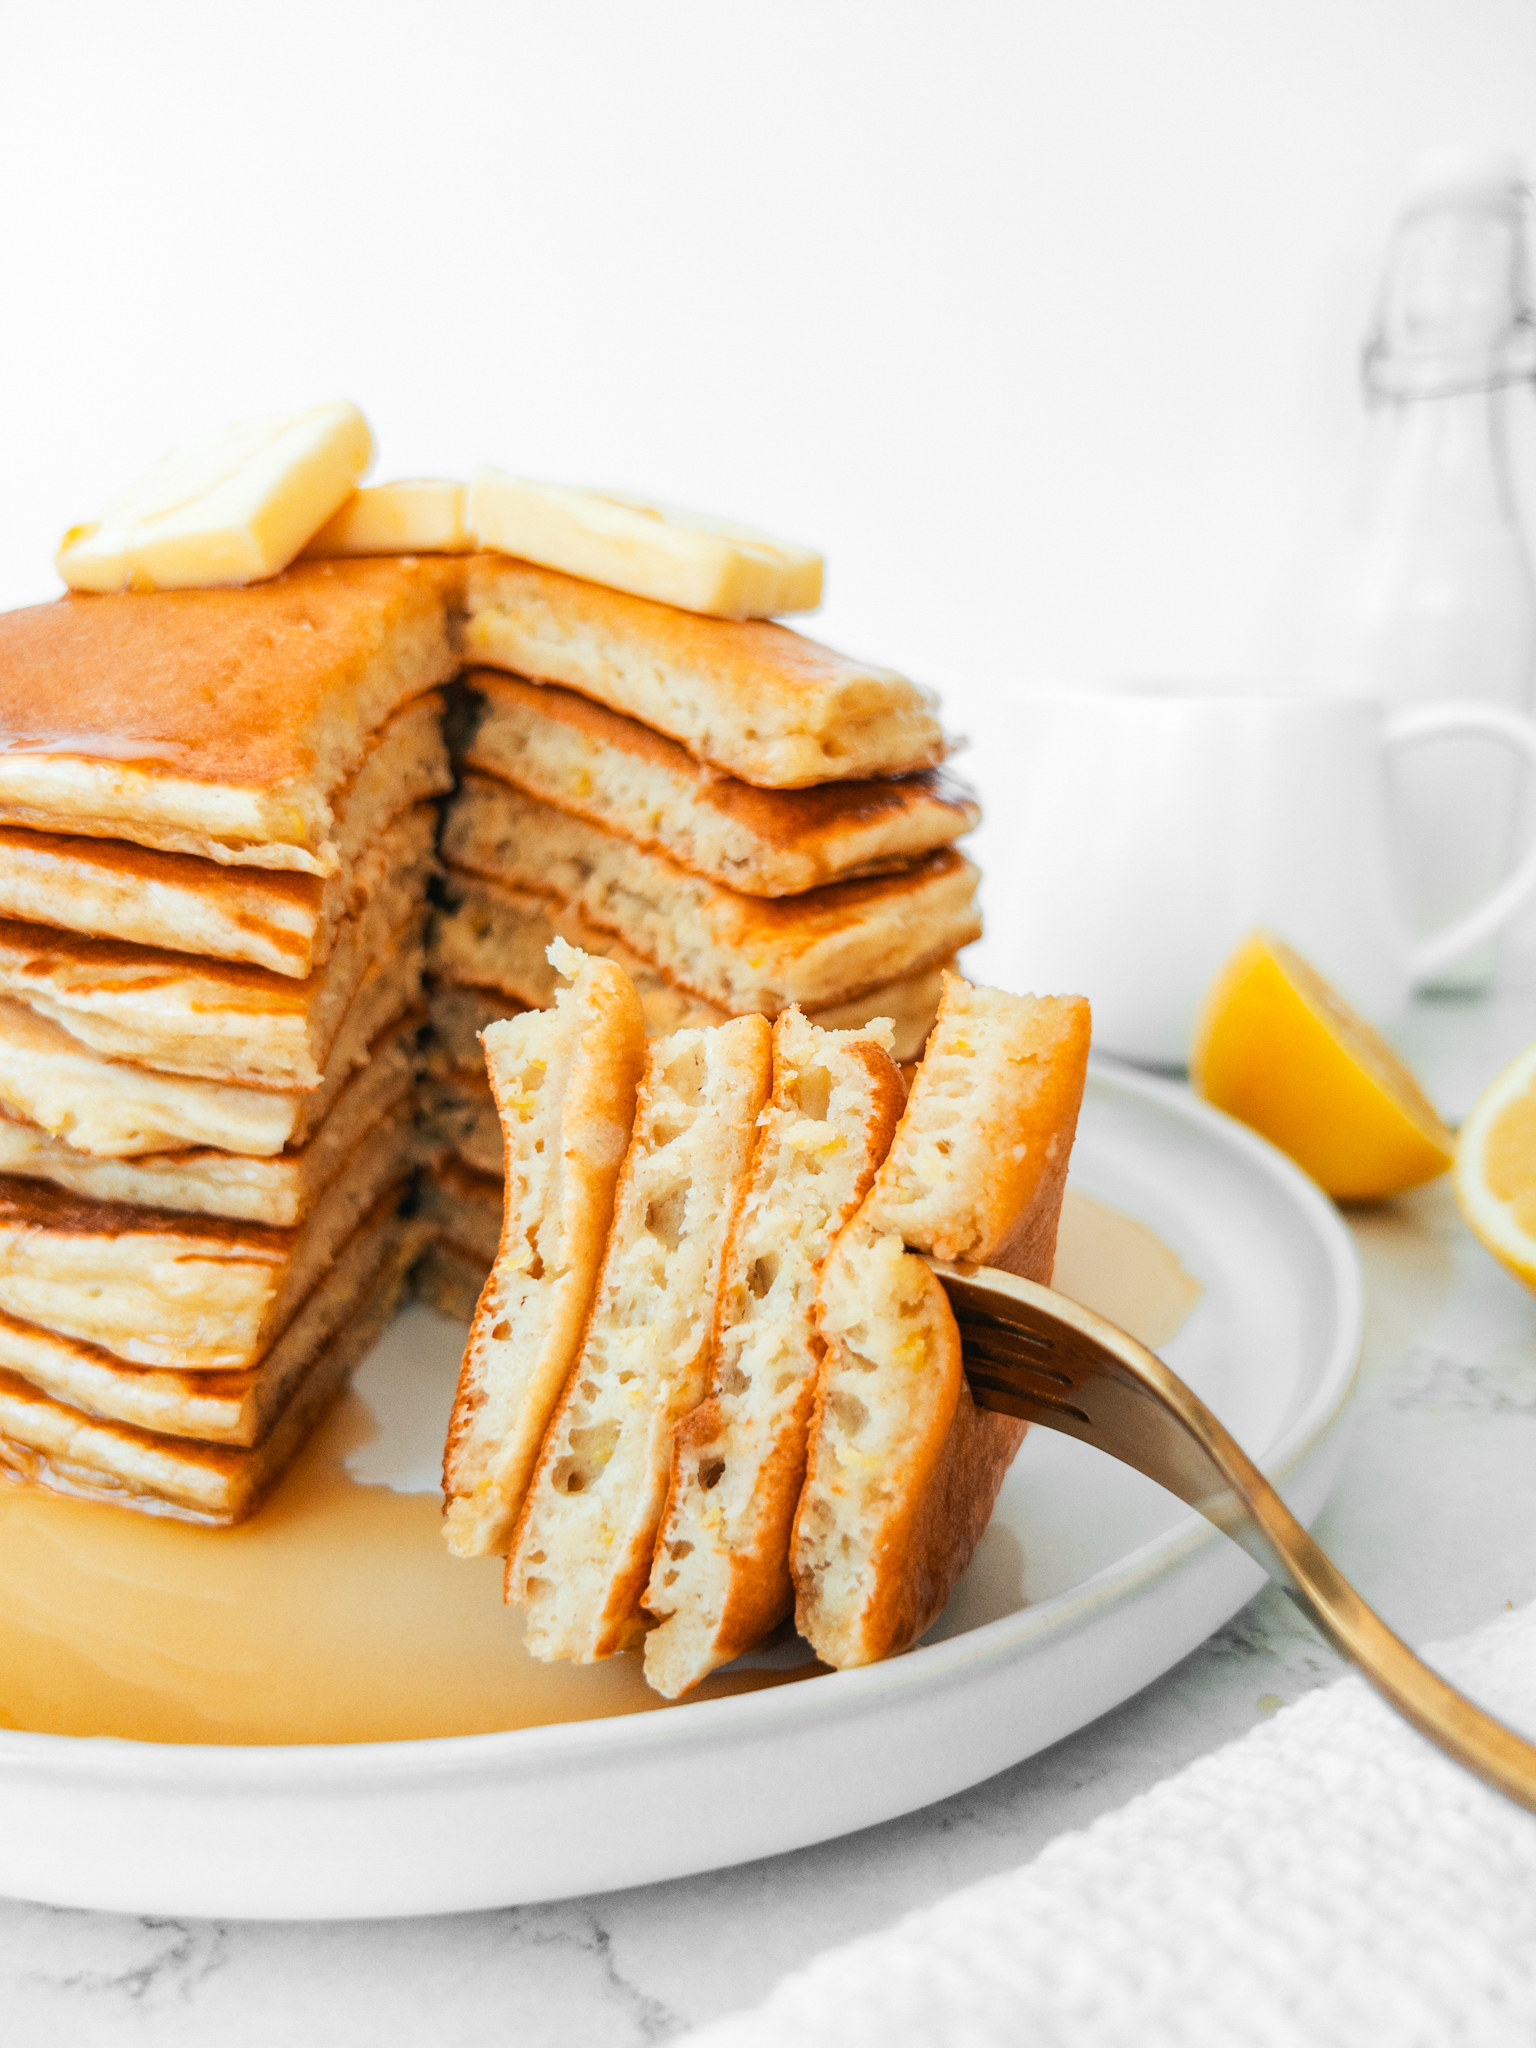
1046 1359
1476 1739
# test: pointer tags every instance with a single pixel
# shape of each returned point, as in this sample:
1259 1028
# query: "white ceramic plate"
1090 1582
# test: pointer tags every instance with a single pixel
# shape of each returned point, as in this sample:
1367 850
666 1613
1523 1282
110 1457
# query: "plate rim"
259 1767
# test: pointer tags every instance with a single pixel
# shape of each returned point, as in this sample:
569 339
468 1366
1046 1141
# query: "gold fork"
1032 1353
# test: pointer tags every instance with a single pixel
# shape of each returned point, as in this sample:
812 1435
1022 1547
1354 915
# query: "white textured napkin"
1327 1879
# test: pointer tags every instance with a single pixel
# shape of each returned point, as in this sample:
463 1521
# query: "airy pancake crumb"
903 1468
721 1581
582 1551
564 1083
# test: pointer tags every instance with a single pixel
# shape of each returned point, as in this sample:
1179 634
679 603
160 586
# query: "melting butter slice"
231 508
688 559
420 516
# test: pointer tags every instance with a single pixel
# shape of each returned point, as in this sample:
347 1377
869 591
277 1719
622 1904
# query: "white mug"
1136 833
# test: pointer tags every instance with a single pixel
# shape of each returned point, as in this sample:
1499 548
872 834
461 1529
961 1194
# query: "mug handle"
1475 926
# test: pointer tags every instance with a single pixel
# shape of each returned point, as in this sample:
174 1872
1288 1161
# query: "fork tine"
1004 1376
1035 1355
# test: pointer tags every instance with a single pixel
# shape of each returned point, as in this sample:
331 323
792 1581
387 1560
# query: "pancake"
463 1205
111 1110
286 922
47 1443
406 764
165 1288
720 1581
280 1190
458 1118
562 748
902 1467
116 1110
755 699
216 1021
581 1552
495 938
222 723
448 1277
212 1407
739 952
459 1015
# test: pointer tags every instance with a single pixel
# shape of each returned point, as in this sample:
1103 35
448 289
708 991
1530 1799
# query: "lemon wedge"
1279 1049
1496 1167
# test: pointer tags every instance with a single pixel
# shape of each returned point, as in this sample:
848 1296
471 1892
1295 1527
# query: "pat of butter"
422 516
681 558
231 508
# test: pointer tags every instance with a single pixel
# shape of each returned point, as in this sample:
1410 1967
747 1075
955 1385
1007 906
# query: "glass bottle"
1443 601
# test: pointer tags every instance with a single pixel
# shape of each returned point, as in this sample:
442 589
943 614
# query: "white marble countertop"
1434 1518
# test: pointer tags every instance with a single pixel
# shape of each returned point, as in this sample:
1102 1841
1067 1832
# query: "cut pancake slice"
564 1082
909 1006
221 723
280 1189
213 1407
219 1020
286 922
496 937
903 1468
721 1581
582 1550
741 952
46 1443
194 1293
560 747
755 699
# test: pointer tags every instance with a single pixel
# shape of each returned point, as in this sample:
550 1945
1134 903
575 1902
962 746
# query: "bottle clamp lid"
1455 313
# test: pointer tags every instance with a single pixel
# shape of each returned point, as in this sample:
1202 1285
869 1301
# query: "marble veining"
1434 1516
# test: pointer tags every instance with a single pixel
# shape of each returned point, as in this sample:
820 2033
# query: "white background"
1042 320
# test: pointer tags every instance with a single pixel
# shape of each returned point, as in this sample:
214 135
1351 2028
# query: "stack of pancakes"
739 817
219 817
218 821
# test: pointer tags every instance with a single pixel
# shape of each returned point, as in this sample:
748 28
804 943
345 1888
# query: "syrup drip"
1110 1262
337 1613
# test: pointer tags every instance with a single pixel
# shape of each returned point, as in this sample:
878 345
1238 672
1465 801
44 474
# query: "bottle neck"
1447 457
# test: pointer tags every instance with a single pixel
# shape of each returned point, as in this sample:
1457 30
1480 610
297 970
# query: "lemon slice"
1278 1048
1496 1167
